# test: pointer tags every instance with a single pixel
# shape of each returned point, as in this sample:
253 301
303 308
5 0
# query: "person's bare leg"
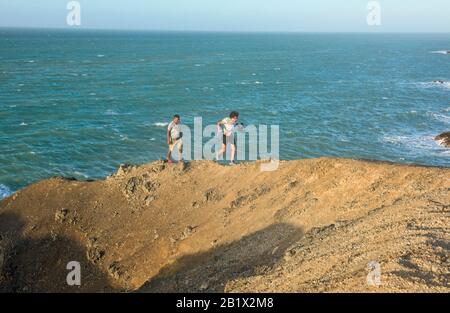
233 152
219 154
180 151
169 155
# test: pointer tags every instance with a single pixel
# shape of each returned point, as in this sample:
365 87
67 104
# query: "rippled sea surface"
78 103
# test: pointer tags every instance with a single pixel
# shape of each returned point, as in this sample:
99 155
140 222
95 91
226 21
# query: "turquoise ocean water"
78 103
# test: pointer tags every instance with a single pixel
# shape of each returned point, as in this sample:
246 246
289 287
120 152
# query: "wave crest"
4 191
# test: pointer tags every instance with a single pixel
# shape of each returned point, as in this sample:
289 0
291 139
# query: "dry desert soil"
310 226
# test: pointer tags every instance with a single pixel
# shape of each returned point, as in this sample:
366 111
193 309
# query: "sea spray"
4 191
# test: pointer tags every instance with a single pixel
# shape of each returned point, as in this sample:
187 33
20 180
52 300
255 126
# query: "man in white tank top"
174 135
227 126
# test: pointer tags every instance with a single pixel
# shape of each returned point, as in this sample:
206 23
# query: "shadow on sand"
210 271
39 264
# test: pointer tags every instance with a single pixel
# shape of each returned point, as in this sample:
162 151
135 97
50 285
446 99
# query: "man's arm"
219 124
168 136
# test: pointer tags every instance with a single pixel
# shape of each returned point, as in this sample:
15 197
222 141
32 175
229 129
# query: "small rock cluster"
65 216
94 253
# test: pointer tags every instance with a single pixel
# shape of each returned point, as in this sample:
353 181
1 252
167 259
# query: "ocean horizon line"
137 30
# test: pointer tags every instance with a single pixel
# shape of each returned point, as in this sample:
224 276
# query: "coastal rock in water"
444 139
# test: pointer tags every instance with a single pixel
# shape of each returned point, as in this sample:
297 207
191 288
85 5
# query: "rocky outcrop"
443 139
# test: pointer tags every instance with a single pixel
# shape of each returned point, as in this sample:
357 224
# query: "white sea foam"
395 139
100 55
111 112
435 84
159 124
440 117
79 174
152 139
440 142
4 191
417 143
23 124
441 52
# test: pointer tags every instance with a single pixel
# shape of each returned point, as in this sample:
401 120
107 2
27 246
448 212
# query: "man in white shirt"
228 125
174 136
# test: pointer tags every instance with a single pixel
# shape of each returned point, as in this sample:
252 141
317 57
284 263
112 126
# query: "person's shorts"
179 143
229 139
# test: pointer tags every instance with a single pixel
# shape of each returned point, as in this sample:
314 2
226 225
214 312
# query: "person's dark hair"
176 116
234 114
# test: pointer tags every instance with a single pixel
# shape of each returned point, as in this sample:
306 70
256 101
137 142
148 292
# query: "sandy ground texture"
310 226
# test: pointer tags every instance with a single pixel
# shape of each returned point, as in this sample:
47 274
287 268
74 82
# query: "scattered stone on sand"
65 216
151 186
443 139
188 231
125 169
115 270
173 240
212 195
132 186
239 201
289 254
149 199
60 216
204 286
94 253
158 167
292 183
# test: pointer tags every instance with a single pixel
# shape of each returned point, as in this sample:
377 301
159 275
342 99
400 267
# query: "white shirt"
174 130
228 126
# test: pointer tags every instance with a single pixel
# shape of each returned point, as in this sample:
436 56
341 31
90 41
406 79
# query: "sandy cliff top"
311 225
